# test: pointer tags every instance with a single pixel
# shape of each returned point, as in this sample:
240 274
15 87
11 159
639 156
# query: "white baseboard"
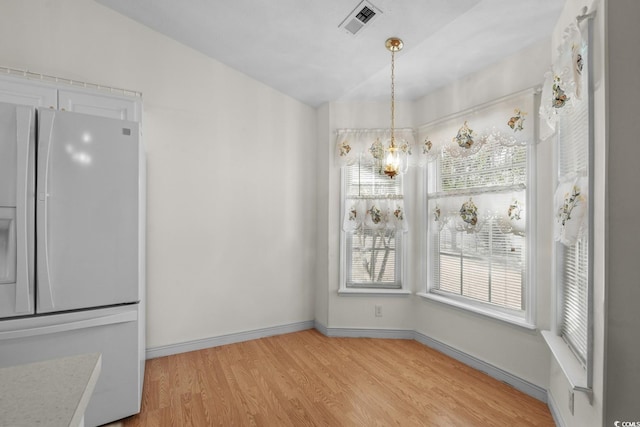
364 332
201 344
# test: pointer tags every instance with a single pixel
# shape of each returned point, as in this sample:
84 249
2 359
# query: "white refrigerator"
72 274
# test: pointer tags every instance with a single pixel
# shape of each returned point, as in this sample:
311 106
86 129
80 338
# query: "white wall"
231 169
517 350
323 187
622 357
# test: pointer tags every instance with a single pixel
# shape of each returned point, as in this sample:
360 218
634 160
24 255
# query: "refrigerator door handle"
24 215
45 294
128 316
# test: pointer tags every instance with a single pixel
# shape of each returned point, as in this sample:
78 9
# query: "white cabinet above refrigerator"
26 92
122 108
102 103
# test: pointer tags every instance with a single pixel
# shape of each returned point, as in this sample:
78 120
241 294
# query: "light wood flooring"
307 379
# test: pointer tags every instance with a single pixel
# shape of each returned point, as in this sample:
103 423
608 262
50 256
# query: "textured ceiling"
297 47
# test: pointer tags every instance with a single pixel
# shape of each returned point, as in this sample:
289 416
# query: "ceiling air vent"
362 15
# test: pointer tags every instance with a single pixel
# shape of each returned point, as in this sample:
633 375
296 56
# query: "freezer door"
87 214
17 160
114 332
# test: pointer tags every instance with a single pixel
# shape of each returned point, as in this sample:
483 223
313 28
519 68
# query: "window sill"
573 370
373 292
505 317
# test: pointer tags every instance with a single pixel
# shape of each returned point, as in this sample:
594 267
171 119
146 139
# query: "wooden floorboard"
308 379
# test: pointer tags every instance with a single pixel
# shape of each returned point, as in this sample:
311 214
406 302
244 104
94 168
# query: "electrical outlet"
571 401
378 310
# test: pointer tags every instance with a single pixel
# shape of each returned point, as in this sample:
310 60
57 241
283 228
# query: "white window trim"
373 291
569 363
401 251
580 377
478 308
529 319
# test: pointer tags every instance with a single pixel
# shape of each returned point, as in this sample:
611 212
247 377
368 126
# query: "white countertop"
51 393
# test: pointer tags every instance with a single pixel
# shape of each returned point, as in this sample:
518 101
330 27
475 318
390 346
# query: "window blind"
573 260
487 262
575 298
372 258
372 251
362 180
495 165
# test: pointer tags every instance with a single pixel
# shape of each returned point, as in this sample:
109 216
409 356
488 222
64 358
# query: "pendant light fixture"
396 158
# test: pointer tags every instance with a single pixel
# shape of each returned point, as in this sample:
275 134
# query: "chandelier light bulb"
392 162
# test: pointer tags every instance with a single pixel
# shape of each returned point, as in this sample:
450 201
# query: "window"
572 230
478 201
567 106
477 235
372 228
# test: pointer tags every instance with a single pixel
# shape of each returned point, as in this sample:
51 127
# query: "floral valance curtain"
372 201
564 84
367 145
477 182
564 105
478 213
374 214
502 123
571 209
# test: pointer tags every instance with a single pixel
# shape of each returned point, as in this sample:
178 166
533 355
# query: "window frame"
526 318
578 372
375 288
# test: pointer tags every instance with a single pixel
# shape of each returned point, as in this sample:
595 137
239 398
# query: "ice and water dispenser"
7 246
8 175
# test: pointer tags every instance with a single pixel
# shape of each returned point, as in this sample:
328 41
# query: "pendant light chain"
393 97
394 159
